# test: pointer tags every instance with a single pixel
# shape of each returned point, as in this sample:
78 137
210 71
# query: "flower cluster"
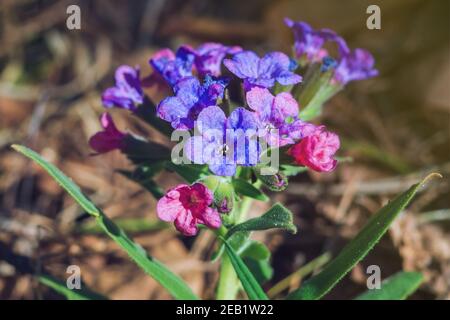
230 134
309 48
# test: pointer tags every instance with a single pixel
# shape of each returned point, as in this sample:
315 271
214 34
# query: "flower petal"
260 100
223 169
172 109
211 122
170 206
211 218
243 64
285 106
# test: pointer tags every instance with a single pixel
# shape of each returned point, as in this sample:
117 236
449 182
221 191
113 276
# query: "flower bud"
276 182
223 193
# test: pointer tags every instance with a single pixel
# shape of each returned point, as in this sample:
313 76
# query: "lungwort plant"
244 125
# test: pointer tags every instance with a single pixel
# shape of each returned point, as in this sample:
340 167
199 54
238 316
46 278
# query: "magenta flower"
127 93
355 65
277 116
110 138
188 206
190 99
316 151
173 67
209 56
263 72
309 42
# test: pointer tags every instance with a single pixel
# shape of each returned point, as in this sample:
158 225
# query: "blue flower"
224 143
262 72
174 67
127 93
190 99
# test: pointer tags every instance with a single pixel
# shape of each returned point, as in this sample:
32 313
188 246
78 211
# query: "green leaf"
247 189
358 248
256 256
71 294
397 287
256 250
174 284
130 225
237 241
277 217
62 180
249 283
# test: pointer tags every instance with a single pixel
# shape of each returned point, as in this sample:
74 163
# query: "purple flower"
110 138
209 56
224 143
356 65
309 42
127 93
173 67
155 78
262 72
190 99
277 117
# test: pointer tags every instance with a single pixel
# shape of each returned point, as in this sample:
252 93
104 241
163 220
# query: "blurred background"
395 127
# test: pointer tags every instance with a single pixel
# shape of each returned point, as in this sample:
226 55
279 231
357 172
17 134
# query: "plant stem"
228 282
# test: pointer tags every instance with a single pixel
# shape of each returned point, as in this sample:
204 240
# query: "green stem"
229 283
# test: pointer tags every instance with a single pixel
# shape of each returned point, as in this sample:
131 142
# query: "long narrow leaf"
174 284
397 287
250 284
357 249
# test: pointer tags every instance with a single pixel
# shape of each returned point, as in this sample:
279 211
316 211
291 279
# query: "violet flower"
277 117
174 67
262 72
209 56
190 99
224 143
309 42
188 206
356 65
156 78
110 138
127 93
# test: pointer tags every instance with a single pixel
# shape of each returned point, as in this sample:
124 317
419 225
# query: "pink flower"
188 206
108 139
316 151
